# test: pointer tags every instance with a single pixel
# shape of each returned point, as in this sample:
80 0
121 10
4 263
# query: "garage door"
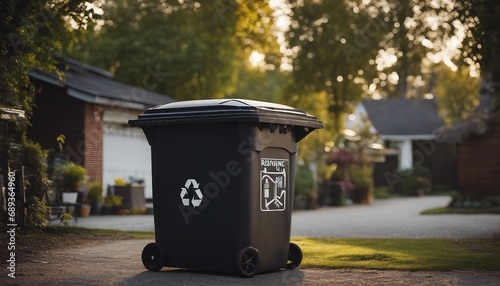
126 154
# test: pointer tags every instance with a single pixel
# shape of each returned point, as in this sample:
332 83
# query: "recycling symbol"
196 198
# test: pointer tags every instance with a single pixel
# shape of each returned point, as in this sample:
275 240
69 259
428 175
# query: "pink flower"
348 185
340 157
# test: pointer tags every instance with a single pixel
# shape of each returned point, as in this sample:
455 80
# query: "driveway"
388 218
119 262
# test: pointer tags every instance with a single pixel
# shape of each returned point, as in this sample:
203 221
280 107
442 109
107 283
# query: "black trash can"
223 184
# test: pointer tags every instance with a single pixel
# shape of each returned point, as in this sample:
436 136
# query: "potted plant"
339 184
131 191
72 175
85 209
94 197
111 204
362 179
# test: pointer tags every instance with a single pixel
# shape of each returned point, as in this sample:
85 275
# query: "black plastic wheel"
153 257
248 262
294 256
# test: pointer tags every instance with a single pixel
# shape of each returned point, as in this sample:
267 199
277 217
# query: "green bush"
362 178
94 193
303 187
113 201
382 192
38 214
35 163
414 181
460 201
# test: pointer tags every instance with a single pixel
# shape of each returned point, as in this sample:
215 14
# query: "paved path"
394 218
389 218
119 263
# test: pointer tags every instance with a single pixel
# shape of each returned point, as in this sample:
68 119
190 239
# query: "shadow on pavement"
170 276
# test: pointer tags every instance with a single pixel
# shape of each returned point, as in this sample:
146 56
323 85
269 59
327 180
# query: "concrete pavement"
388 218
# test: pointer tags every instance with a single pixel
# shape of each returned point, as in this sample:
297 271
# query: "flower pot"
85 210
361 196
337 194
96 208
69 197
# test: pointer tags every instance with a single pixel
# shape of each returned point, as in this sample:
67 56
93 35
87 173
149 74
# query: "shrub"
38 214
113 201
303 187
35 163
362 178
94 193
414 181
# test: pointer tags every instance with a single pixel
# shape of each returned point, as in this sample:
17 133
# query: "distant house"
92 109
408 126
478 150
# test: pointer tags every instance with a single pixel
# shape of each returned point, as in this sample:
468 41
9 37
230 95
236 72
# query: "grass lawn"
390 254
401 254
449 210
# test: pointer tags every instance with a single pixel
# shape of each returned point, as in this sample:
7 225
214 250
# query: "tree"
268 85
417 34
32 32
186 49
456 93
331 45
481 45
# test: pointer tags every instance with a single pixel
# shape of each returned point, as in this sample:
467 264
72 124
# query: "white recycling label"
191 193
273 184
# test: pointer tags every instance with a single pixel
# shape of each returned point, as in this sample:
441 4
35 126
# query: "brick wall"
93 141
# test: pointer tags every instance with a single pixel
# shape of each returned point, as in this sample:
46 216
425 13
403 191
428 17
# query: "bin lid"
226 110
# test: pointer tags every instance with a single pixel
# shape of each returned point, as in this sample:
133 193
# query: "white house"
399 123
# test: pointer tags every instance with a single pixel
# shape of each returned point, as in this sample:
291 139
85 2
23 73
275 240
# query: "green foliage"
72 174
38 213
113 201
35 163
325 59
260 85
382 192
456 93
94 192
481 19
186 49
488 202
414 181
32 32
303 187
362 176
66 218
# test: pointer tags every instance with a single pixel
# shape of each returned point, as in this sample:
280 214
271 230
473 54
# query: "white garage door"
126 153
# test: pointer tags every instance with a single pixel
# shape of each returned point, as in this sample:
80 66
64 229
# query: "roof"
94 85
403 116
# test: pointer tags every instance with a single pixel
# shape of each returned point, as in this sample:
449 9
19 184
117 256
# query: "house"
91 110
409 127
478 154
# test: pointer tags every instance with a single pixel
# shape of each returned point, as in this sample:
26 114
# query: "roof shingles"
402 116
99 84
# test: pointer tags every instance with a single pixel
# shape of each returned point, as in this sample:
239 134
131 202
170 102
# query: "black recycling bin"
223 184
